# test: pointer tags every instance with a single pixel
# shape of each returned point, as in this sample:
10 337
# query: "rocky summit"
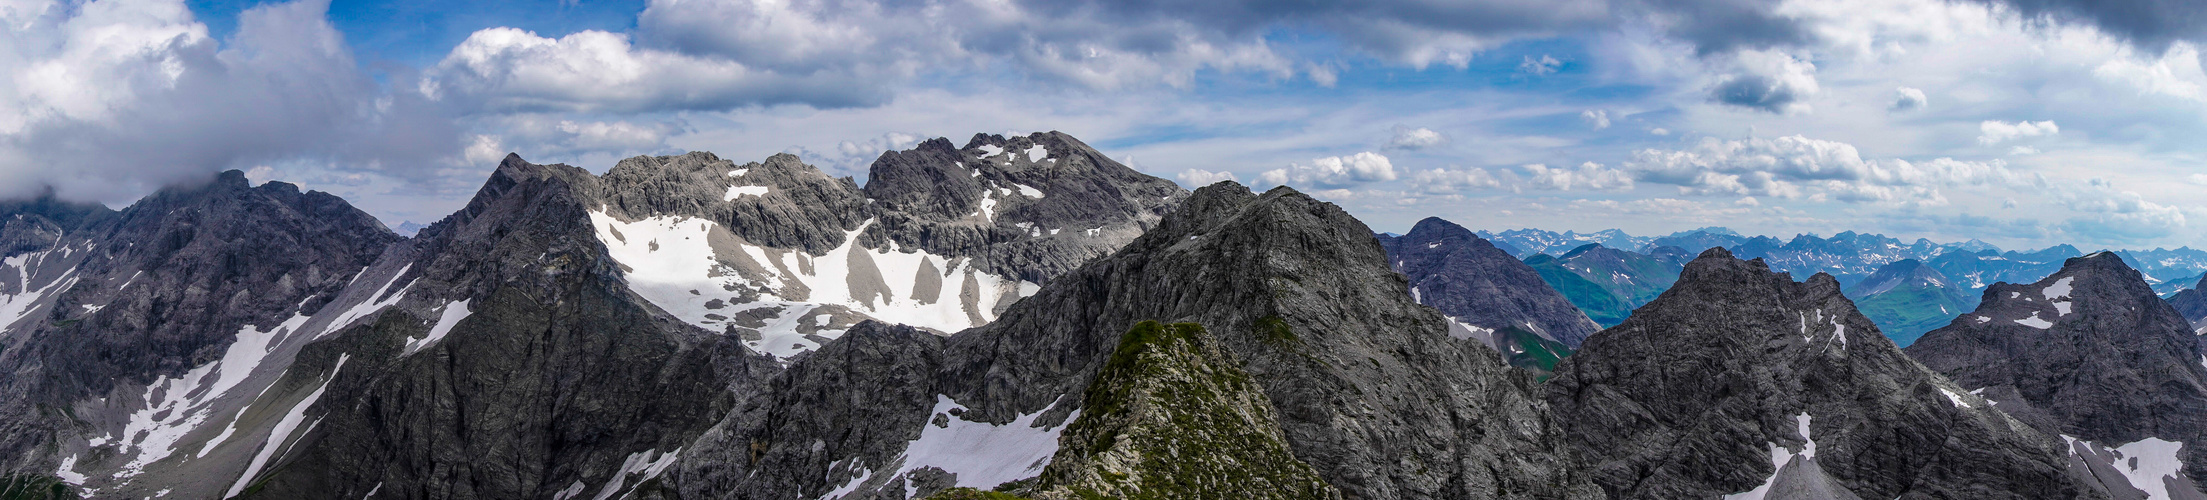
1498 299
1740 382
2092 355
1273 278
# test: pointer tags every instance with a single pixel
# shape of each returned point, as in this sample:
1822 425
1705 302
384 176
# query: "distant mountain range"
1628 276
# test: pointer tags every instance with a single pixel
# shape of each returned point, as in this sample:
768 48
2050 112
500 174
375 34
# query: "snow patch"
738 172
68 471
453 313
2035 322
2059 290
281 435
1037 153
673 263
174 407
1779 456
1028 191
370 305
741 191
1956 398
983 455
643 463
990 150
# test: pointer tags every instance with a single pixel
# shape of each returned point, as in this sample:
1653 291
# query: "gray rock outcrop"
1740 380
2090 353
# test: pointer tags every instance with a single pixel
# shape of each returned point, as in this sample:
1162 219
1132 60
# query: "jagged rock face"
1487 293
780 203
785 257
1295 289
1740 380
121 325
2089 352
2192 304
513 363
1907 299
1031 207
1172 416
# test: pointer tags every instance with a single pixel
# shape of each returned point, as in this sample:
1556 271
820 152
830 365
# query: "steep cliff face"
2091 354
1501 299
1741 381
1028 207
125 330
1294 289
513 362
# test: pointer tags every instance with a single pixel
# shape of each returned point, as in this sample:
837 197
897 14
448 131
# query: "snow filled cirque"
785 302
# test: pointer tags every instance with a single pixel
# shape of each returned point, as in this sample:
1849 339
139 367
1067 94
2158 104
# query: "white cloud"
1800 167
509 70
1412 139
1446 181
1333 171
1908 99
1589 175
114 98
1195 177
1995 132
1659 131
1768 80
1543 66
2022 151
1597 118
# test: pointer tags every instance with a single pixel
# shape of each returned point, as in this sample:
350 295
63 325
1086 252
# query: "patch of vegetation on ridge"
1172 415
34 487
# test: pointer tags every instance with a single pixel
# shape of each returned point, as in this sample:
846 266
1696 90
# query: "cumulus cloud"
114 98
512 70
1597 118
2114 215
1543 66
1908 99
1995 132
1588 176
1412 139
1196 177
1768 81
1800 167
1448 181
1333 171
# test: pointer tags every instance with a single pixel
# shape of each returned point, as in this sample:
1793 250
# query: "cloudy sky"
2021 122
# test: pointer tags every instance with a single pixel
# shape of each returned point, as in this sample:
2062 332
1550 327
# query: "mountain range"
1024 317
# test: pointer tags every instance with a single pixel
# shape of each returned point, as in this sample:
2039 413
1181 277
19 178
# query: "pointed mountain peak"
1582 249
1502 300
1725 384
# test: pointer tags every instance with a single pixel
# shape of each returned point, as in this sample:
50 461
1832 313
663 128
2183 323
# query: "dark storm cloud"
2151 24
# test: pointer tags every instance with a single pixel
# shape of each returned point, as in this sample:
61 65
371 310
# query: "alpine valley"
1025 317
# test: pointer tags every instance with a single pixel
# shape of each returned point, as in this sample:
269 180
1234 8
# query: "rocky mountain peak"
2089 352
1294 289
1740 380
1501 300
2192 304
